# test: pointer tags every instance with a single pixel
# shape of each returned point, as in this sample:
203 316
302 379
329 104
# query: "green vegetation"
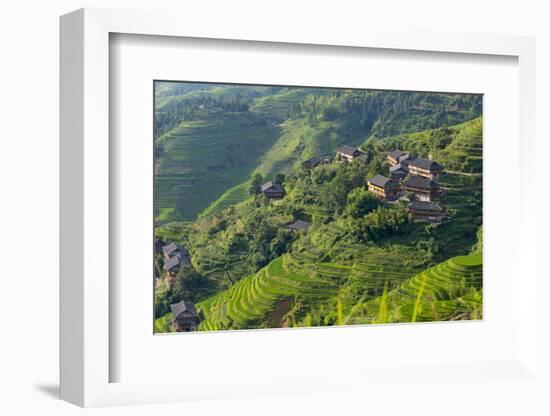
230 197
448 291
209 138
200 160
163 324
361 261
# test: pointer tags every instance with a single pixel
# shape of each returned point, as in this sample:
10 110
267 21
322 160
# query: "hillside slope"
255 273
288 124
323 122
201 159
451 290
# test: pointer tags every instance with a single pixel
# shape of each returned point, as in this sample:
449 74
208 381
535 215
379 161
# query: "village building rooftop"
310 163
426 164
398 156
419 182
423 188
347 153
273 190
271 185
399 171
379 180
426 211
348 150
425 167
383 187
172 264
425 206
299 225
170 250
184 316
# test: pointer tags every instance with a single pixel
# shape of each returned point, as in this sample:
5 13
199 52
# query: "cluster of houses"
175 257
184 315
410 176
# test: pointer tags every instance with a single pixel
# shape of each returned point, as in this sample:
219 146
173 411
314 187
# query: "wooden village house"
349 153
426 211
422 188
425 168
310 163
184 317
299 225
174 258
273 190
384 188
399 171
398 157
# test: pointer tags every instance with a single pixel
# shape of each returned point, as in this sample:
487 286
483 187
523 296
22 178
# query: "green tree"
360 203
256 184
280 178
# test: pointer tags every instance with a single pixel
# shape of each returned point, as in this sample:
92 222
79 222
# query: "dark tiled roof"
425 164
312 161
420 183
425 206
183 306
172 262
348 150
380 181
170 249
399 167
396 154
299 225
272 186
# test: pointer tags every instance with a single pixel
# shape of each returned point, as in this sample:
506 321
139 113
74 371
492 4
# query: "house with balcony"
384 188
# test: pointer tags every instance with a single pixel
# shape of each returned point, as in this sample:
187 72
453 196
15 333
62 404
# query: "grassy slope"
277 106
169 99
164 324
304 137
292 279
448 291
202 159
298 139
282 156
318 274
232 196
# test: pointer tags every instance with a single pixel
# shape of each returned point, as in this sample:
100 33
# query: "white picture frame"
85 210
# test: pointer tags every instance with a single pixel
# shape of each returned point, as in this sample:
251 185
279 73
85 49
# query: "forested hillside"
361 260
221 134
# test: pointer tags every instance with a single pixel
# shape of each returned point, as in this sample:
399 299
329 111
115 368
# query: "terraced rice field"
250 299
247 303
200 160
232 196
277 107
449 290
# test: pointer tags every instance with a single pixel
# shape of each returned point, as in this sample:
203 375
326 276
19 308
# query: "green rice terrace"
269 242
202 158
210 137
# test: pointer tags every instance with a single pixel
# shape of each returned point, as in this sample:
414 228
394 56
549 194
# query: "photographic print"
289 206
